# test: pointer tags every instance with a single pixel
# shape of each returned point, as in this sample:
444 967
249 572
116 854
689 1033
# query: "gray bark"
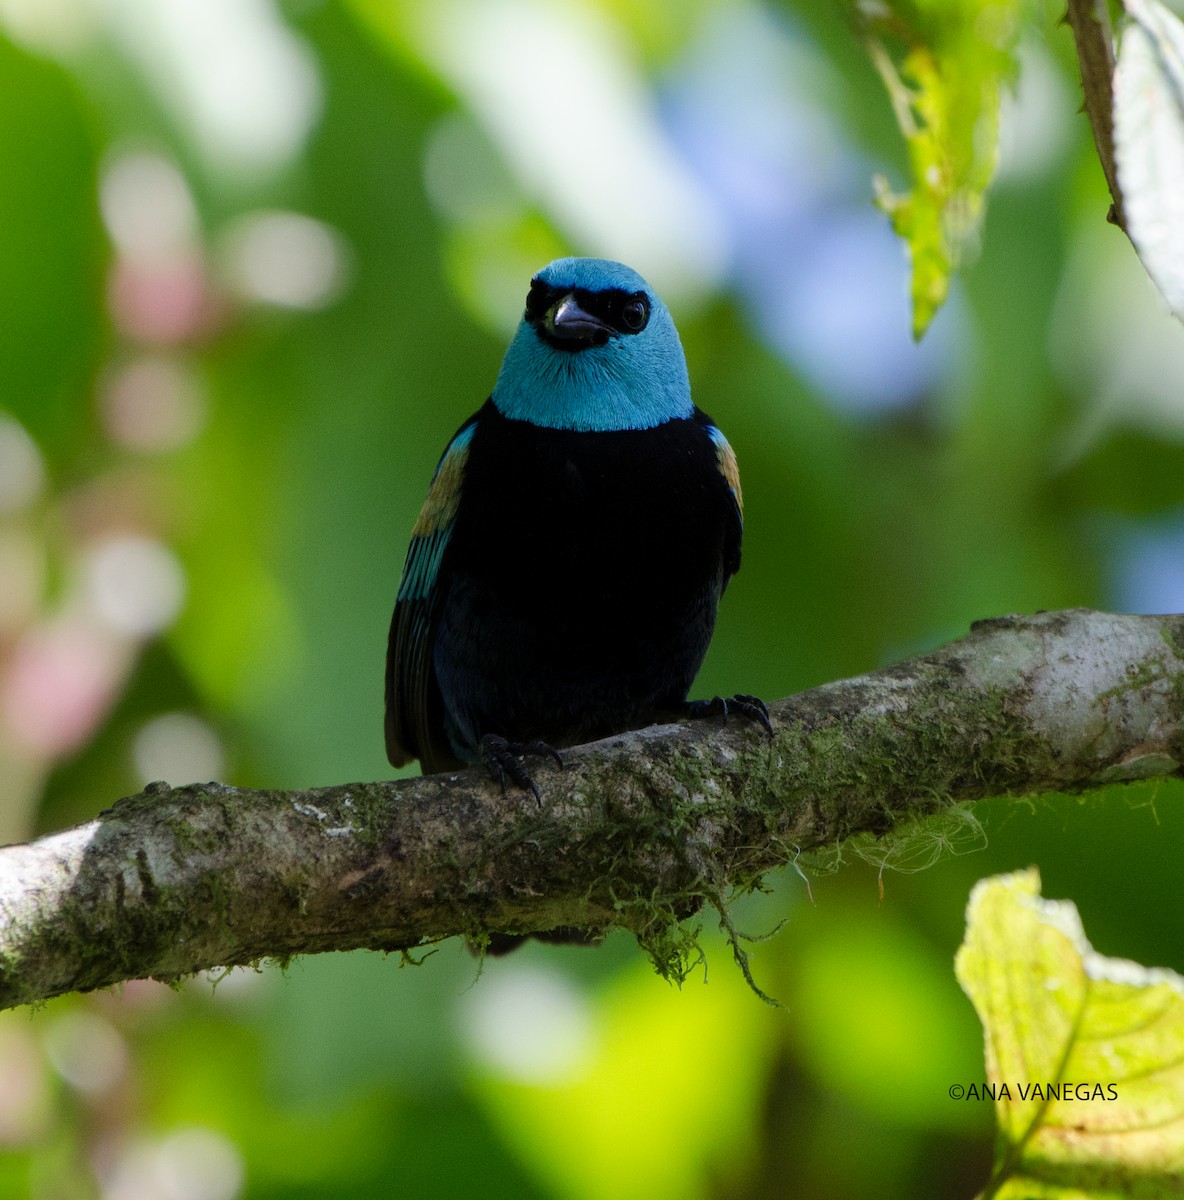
637 831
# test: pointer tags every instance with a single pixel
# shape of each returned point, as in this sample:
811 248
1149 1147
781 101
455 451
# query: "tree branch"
638 831
1094 39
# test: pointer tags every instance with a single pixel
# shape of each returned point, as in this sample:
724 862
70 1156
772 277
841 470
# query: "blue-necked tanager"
564 573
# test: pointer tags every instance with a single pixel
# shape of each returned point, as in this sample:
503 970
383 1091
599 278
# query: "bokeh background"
257 261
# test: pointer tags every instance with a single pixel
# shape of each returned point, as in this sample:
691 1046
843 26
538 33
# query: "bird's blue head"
596 350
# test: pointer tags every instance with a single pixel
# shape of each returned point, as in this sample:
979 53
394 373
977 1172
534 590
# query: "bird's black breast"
582 577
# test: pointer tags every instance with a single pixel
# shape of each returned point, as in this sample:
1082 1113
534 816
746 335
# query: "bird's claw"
752 708
503 758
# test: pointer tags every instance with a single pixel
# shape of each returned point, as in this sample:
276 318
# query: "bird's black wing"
414 709
725 458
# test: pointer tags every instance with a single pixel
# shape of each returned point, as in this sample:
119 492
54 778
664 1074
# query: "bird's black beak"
566 320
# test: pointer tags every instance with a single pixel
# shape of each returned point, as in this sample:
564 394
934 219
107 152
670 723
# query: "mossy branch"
638 830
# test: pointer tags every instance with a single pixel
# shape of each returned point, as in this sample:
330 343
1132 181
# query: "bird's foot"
752 708
503 759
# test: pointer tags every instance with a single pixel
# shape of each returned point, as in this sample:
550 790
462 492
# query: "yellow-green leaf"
1084 1054
944 63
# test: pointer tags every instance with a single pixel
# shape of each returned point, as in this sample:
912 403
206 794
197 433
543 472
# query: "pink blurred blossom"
166 302
59 683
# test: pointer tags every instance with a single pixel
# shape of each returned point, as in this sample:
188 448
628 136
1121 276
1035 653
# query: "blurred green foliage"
1013 479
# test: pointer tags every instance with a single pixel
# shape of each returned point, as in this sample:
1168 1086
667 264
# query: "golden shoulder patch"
726 457
444 495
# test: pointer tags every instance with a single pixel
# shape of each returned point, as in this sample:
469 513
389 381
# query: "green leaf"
944 63
1085 1054
1149 142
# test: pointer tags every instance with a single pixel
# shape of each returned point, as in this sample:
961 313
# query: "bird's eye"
536 298
635 313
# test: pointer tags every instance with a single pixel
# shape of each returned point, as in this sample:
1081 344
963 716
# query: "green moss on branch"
638 831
